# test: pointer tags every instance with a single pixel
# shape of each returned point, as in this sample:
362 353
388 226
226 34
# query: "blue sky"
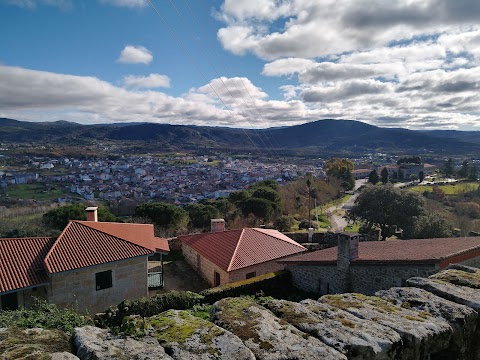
249 63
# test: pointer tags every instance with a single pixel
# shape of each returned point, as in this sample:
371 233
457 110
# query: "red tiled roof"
237 249
417 250
140 234
80 246
21 262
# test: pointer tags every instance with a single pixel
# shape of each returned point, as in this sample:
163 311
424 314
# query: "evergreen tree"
373 177
401 175
465 170
384 176
421 176
448 169
473 175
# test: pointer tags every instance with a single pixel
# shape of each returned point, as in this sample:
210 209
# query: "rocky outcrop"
265 334
461 319
34 344
355 337
432 319
421 333
93 343
187 337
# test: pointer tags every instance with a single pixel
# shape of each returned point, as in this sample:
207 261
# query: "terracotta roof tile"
140 234
417 250
237 249
21 262
80 246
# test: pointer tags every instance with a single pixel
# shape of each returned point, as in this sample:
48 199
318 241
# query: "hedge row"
275 284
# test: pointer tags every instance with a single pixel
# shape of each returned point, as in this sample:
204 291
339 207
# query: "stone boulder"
269 337
39 344
461 318
93 343
187 337
459 294
460 275
355 337
421 333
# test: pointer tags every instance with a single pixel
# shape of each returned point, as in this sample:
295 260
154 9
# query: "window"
103 280
9 301
216 278
250 275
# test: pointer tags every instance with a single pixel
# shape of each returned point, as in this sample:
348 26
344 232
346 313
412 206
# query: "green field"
37 191
448 189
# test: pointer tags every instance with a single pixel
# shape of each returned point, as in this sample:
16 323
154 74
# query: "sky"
252 63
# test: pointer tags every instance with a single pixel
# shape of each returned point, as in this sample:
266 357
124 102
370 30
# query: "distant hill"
322 135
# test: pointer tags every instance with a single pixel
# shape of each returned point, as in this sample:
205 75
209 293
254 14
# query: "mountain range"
322 136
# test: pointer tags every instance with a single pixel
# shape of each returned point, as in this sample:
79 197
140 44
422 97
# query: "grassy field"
448 189
36 191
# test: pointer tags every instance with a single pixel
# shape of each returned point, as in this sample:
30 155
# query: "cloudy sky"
249 63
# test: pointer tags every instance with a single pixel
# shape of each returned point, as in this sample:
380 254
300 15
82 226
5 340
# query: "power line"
221 79
241 79
197 67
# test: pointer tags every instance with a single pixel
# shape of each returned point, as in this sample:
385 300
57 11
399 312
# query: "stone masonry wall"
365 279
260 269
206 268
78 288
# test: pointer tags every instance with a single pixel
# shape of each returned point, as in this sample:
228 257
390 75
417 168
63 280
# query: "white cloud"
135 55
306 28
147 82
32 4
126 3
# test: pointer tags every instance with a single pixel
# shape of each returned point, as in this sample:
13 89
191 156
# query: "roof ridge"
230 264
115 236
110 222
47 257
26 238
293 242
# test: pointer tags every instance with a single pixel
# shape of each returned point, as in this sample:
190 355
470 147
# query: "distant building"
359 174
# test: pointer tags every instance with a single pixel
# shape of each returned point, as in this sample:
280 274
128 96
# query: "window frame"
103 280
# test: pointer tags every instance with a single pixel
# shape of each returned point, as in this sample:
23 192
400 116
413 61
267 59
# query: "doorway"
10 301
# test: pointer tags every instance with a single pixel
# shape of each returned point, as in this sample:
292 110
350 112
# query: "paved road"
337 220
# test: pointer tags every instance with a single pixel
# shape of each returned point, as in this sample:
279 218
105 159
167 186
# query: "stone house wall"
26 298
362 278
259 269
77 288
204 267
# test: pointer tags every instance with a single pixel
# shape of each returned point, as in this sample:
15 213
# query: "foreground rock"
461 318
356 338
421 333
187 337
460 275
34 344
459 294
265 334
93 343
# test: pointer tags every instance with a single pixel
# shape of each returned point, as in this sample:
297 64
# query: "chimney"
347 250
217 225
91 212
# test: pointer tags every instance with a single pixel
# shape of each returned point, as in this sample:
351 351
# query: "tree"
59 218
342 170
283 223
421 176
432 225
448 169
373 177
386 207
464 170
260 208
473 175
401 174
410 160
164 215
200 215
384 176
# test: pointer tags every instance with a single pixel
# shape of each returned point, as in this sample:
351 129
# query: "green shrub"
276 284
150 306
43 315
